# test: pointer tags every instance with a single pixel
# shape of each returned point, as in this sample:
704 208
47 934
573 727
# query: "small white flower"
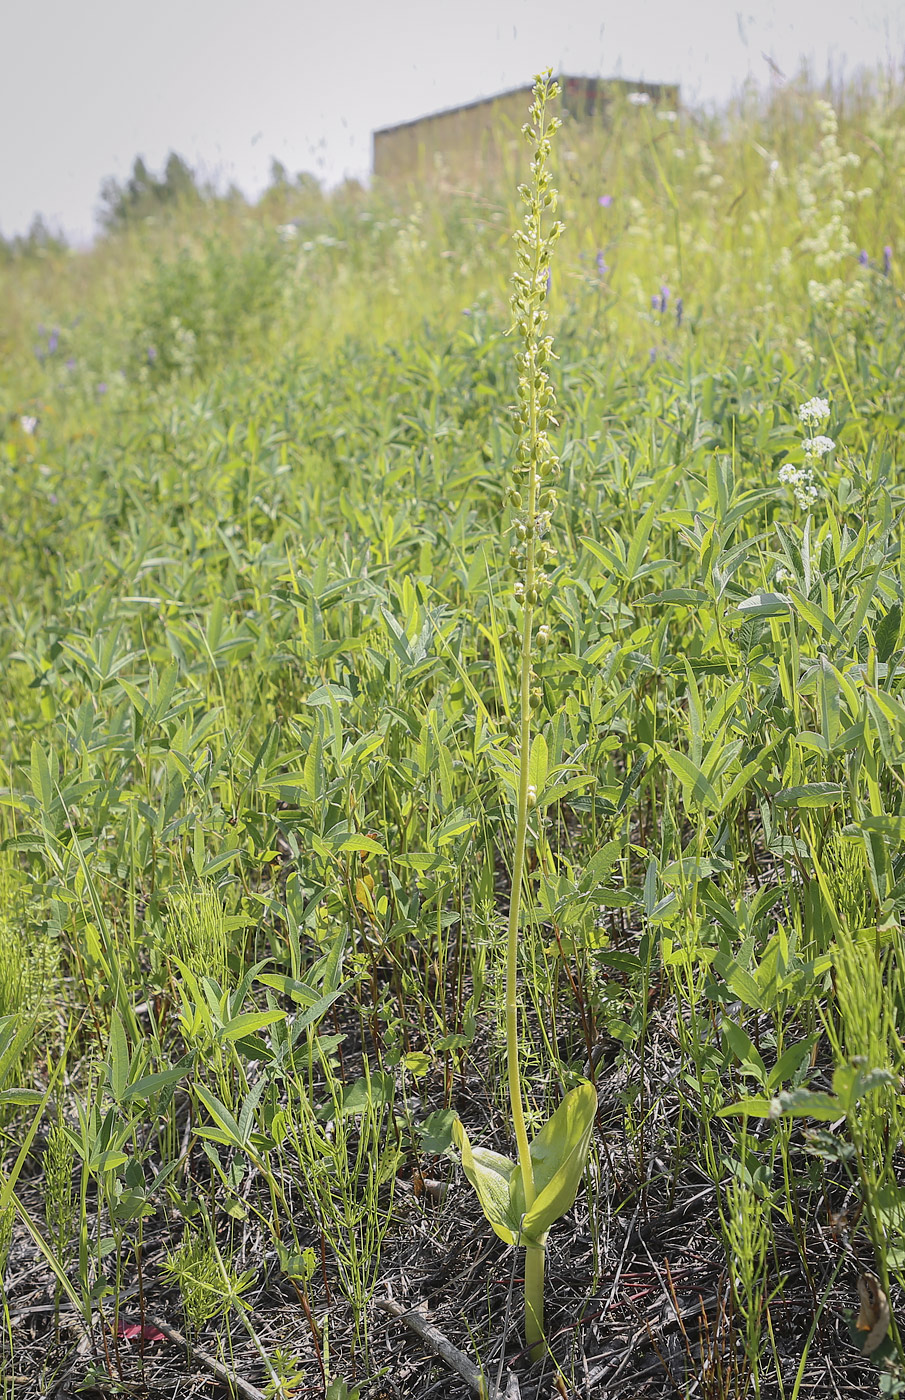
815 411
788 474
639 99
818 446
666 116
28 424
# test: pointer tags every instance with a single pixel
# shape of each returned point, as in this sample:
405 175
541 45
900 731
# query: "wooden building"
472 143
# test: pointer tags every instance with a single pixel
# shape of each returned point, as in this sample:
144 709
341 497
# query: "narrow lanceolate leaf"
696 784
149 1084
809 795
221 1115
249 1022
118 1063
492 1176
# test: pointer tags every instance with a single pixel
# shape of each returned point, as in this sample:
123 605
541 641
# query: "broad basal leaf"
493 1176
558 1156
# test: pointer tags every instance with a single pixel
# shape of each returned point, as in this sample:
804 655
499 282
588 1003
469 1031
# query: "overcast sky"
89 84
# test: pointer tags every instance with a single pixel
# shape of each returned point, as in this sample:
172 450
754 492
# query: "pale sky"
89 84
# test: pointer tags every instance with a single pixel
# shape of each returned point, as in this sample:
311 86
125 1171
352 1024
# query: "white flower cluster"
639 99
814 412
801 479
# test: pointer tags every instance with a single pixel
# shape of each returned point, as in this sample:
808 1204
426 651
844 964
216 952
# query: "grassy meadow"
267 747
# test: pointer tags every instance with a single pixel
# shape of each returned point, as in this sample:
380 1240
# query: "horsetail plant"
522 1199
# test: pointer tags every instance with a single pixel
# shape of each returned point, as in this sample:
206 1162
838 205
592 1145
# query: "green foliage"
143 195
206 1283
261 743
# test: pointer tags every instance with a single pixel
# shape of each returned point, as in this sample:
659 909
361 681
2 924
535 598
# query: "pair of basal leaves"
558 1156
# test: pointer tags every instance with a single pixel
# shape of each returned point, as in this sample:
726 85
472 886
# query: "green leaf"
150 1084
457 822
801 1103
21 1097
363 843
538 763
559 1155
118 1064
41 780
221 1116
436 1132
371 1090
886 632
696 784
893 827
248 1023
790 1061
491 1175
763 605
809 795
744 1049
755 1107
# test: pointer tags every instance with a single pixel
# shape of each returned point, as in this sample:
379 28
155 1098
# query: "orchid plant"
522 1199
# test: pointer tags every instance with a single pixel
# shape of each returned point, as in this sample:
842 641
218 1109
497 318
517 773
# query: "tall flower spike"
523 1198
536 464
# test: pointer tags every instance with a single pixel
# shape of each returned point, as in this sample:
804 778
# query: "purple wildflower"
102 387
70 363
602 268
664 298
863 259
655 302
152 354
680 309
653 353
605 200
887 260
53 341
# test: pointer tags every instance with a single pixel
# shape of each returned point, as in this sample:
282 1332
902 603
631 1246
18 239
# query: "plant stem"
515 896
534 1258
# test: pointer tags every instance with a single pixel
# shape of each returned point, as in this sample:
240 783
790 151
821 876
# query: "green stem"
515 899
535 1255
534 1259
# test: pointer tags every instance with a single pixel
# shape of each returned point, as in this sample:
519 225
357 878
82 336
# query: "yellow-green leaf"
492 1176
559 1154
